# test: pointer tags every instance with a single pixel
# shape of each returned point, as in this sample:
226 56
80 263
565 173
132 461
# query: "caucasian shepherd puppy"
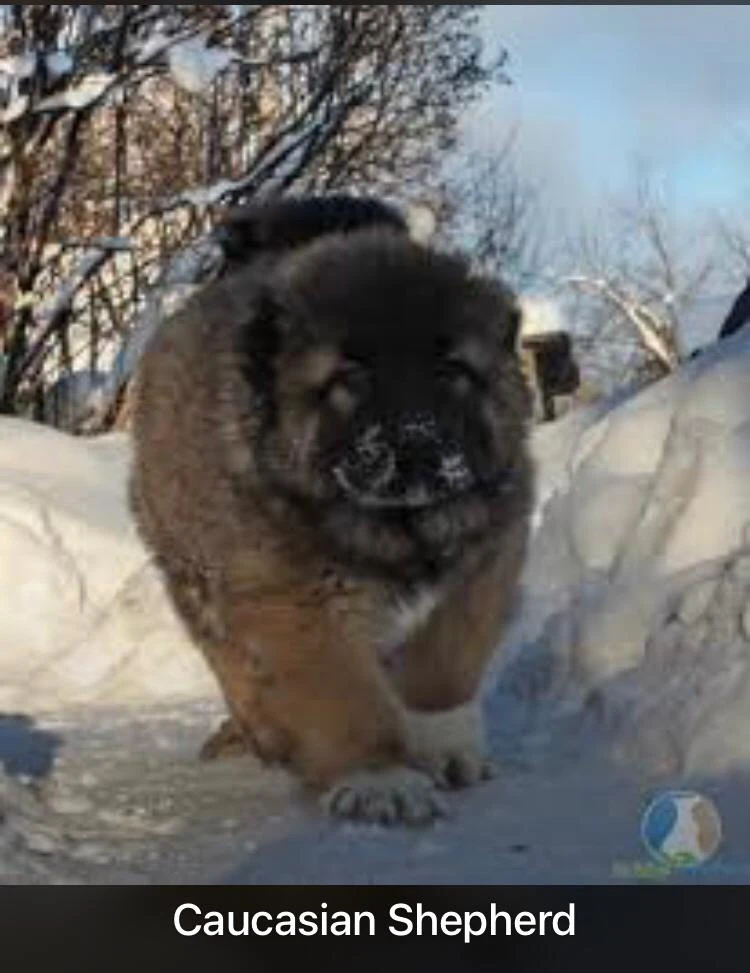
331 469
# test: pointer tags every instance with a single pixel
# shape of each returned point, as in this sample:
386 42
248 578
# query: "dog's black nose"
418 461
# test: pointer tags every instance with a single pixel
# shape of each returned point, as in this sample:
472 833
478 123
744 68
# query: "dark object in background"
739 315
551 370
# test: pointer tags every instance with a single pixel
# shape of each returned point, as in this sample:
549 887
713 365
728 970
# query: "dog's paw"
449 746
227 742
397 795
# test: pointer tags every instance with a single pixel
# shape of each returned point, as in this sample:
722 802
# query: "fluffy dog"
331 470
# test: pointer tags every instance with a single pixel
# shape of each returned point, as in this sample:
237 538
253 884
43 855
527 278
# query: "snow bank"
83 616
638 583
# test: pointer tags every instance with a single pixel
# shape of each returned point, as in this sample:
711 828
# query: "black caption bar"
469 928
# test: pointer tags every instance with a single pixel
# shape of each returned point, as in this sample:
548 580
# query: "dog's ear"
237 236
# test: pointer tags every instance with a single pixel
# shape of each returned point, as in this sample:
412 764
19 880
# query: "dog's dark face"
396 411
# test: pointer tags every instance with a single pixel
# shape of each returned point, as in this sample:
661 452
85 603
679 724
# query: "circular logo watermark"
681 830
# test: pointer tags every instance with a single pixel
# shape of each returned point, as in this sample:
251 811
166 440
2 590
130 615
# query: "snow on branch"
655 333
83 95
195 66
55 313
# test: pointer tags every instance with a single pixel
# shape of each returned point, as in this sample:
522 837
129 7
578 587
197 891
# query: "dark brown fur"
289 540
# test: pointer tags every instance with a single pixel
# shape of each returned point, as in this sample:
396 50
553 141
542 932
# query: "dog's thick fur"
331 468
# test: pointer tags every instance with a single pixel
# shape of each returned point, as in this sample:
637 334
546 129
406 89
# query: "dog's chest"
404 615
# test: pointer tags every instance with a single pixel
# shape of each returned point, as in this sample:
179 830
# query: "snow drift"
83 616
638 584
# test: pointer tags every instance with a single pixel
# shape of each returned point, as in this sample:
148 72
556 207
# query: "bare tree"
494 215
734 244
124 131
634 283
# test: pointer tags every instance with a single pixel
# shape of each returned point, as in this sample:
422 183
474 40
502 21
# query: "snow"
21 67
541 315
195 66
15 110
210 195
625 674
80 579
14 71
59 64
151 47
82 95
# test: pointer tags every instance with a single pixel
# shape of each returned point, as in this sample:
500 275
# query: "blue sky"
598 88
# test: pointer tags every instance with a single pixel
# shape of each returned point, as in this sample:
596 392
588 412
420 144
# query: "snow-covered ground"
627 673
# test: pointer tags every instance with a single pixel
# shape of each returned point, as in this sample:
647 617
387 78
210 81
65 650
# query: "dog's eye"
353 377
460 375
348 385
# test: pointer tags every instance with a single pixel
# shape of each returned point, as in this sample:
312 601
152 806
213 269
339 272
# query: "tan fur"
445 659
294 638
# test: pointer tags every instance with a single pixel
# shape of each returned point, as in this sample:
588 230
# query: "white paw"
449 746
393 796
